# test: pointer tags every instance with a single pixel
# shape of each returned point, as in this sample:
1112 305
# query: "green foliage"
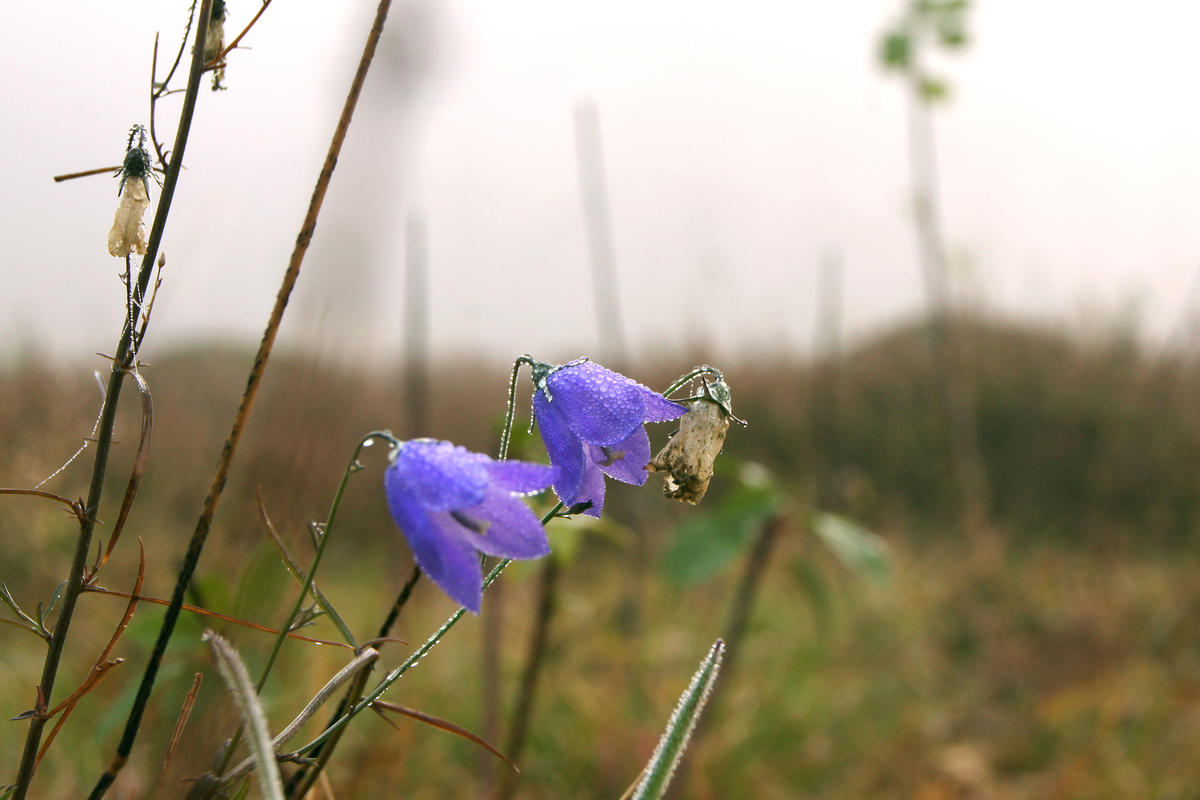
922 24
895 50
859 550
705 543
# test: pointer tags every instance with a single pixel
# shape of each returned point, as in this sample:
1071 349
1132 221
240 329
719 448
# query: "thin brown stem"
204 523
206 612
220 57
70 176
121 364
299 783
534 662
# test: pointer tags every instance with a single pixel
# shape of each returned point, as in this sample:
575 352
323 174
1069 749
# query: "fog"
743 147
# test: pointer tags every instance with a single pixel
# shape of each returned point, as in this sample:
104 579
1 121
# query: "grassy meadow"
1053 654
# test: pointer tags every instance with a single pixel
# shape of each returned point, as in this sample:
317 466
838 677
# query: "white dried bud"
688 457
127 234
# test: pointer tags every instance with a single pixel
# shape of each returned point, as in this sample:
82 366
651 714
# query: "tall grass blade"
657 775
237 678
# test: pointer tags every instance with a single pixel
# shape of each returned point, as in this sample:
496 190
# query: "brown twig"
102 664
219 58
205 612
76 506
70 176
184 714
135 476
535 659
379 706
160 90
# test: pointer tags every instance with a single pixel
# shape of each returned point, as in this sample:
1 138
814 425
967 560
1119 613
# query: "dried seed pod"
128 235
688 457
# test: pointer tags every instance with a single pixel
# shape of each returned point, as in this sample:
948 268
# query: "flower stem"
305 590
703 369
510 412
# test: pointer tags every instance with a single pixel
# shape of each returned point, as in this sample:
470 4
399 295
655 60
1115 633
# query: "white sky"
742 141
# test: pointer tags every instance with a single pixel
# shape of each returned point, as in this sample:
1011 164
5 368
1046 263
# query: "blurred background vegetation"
1052 655
955 555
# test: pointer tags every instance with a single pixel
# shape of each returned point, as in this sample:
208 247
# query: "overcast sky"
742 142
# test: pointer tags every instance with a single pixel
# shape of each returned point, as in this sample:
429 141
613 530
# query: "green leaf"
952 36
706 543
859 550
815 587
932 89
895 50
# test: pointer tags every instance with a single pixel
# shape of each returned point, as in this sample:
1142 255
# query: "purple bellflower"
591 420
453 504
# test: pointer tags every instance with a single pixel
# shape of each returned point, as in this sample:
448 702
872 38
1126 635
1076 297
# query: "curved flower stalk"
453 504
591 420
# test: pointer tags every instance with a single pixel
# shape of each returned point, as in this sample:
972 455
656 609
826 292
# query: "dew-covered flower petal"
591 420
448 559
564 448
626 460
599 405
504 526
452 504
443 475
659 408
522 477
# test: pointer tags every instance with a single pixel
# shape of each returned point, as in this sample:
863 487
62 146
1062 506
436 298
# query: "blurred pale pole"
597 220
416 327
945 339
944 22
613 351
826 377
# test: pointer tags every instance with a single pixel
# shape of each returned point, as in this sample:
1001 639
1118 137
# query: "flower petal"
659 408
563 447
626 461
442 552
592 489
508 528
600 406
441 475
522 477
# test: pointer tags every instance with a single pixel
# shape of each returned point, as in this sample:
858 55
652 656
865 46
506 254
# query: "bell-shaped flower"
453 504
591 420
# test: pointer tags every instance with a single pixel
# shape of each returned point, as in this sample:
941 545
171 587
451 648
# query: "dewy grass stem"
121 363
306 589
